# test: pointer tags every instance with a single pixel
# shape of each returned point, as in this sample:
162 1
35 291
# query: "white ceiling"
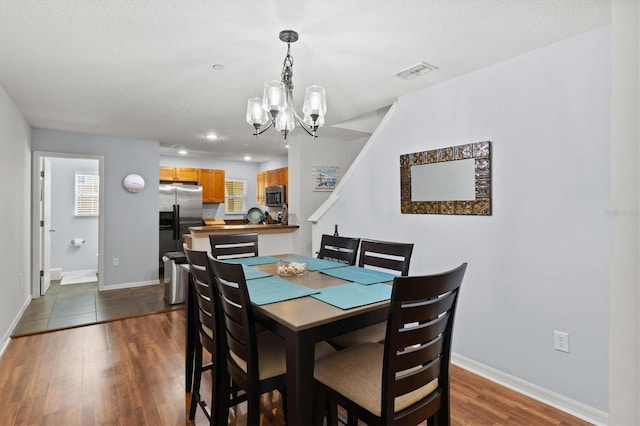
143 69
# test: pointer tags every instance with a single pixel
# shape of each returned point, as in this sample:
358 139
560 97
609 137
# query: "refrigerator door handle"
176 221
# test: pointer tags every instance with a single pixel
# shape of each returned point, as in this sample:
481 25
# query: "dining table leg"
300 383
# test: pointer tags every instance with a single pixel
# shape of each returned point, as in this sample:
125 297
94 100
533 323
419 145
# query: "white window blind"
87 194
235 196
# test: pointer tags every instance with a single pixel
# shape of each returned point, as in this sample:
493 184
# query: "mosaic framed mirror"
455 180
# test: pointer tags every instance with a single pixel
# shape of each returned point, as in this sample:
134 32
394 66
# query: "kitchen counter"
272 238
249 227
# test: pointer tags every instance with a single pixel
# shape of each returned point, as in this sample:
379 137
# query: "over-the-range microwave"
275 196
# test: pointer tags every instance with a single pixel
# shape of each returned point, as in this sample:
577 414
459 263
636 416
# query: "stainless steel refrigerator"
180 208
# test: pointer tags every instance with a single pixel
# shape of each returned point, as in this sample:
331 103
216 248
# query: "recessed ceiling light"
183 152
211 136
247 158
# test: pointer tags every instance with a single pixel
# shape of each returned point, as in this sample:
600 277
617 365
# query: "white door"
45 226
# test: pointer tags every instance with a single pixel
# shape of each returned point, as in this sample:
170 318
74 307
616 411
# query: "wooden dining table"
301 322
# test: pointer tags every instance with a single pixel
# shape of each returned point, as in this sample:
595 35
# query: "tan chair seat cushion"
273 357
372 334
356 373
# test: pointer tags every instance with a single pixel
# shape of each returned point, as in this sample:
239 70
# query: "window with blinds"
235 196
87 194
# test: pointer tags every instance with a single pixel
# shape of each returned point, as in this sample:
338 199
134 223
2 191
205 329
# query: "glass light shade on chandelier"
274 97
276 107
256 115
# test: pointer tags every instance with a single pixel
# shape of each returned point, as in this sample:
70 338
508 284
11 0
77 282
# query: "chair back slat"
419 310
339 249
206 321
233 246
195 257
413 356
200 286
386 256
418 343
239 323
424 332
417 378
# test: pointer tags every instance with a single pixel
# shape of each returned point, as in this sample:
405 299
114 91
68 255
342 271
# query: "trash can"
176 277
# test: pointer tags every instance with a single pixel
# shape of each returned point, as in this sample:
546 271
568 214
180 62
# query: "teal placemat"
253 273
273 289
251 261
359 275
352 295
314 264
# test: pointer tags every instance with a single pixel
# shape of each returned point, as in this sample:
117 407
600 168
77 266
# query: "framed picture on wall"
324 178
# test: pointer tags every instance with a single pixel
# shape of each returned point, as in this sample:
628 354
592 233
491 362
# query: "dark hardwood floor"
74 305
132 372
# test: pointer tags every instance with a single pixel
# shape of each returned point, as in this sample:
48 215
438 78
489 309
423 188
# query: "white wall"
131 219
276 163
68 226
303 154
624 337
15 208
541 262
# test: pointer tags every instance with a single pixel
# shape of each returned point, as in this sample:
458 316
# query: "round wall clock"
133 183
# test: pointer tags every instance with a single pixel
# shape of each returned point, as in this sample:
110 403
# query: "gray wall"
624 327
130 219
64 254
15 207
541 262
303 154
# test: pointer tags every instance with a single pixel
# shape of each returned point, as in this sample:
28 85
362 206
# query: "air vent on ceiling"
421 68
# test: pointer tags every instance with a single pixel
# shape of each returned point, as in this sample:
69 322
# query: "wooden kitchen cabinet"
272 177
278 176
212 182
178 174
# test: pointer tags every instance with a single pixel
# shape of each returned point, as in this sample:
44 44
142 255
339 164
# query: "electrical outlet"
561 341
116 262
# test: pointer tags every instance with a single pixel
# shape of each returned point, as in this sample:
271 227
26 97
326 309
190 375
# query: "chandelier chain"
287 71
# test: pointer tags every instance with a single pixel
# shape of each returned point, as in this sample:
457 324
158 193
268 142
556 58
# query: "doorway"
66 242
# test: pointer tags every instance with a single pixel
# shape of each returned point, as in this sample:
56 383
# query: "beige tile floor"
74 305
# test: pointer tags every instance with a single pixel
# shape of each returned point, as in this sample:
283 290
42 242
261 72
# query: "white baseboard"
129 285
55 274
568 405
7 336
79 276
82 272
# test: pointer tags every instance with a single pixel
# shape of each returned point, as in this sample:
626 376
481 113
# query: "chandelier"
276 107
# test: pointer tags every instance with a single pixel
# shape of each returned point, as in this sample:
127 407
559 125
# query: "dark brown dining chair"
255 361
406 379
385 256
339 249
205 315
232 246
192 341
